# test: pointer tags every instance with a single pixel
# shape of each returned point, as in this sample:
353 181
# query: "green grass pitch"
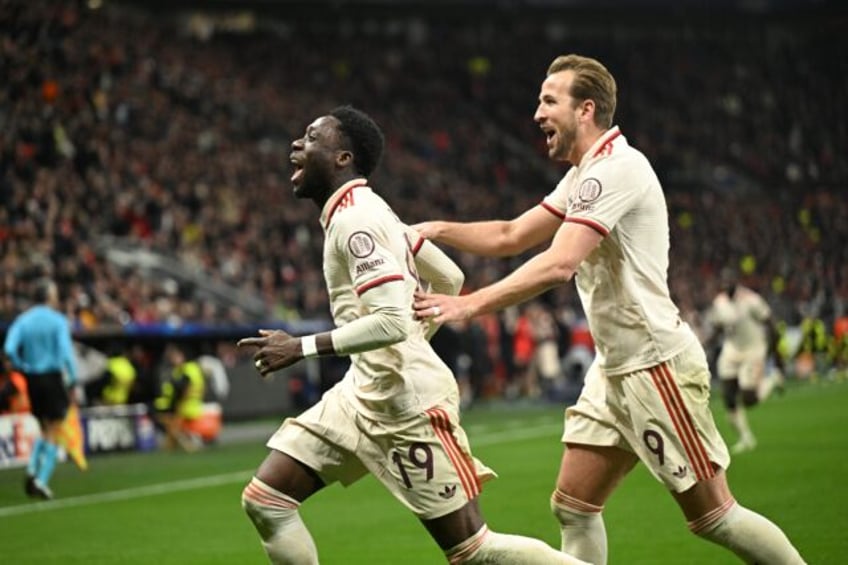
170 508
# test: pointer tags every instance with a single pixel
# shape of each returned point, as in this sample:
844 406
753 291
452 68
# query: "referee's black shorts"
47 395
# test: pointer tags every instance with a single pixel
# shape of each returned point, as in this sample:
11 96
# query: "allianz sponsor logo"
368 265
580 207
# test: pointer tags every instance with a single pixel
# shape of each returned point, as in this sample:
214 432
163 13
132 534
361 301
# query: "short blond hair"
592 81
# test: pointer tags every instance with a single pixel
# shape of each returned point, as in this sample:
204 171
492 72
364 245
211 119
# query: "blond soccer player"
646 395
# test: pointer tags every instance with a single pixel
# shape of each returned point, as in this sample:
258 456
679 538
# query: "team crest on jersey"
590 190
361 244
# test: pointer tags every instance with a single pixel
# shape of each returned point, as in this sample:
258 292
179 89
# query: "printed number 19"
414 456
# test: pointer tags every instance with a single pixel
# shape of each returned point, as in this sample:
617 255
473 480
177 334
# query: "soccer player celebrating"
646 394
395 413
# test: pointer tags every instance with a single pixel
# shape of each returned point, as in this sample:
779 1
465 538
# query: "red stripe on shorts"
441 425
679 422
699 445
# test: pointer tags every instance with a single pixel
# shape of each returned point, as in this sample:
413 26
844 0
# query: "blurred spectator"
523 381
92 365
580 354
546 358
215 373
839 349
181 399
14 396
811 357
121 375
463 347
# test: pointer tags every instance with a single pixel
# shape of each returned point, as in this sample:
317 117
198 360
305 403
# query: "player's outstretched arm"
384 325
494 238
276 349
554 266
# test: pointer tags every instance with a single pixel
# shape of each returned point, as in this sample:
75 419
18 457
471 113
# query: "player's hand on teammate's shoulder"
428 230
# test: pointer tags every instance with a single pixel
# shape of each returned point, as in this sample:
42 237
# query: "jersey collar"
603 145
342 194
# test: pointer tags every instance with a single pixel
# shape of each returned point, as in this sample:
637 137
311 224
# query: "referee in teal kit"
38 344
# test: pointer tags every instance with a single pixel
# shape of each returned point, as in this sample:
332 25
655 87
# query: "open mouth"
298 171
550 135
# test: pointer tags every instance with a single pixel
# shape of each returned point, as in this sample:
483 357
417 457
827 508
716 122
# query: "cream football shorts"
425 461
747 365
661 414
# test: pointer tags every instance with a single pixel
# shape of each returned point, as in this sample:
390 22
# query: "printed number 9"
654 442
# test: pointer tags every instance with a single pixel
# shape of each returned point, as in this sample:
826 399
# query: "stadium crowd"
115 122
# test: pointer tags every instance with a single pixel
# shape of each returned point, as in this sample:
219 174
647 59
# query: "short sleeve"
557 201
602 196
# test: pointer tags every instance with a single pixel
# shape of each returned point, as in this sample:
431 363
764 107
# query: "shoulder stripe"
552 210
377 282
592 224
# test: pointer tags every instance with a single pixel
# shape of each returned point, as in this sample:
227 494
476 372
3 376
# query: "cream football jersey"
367 252
623 283
742 319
